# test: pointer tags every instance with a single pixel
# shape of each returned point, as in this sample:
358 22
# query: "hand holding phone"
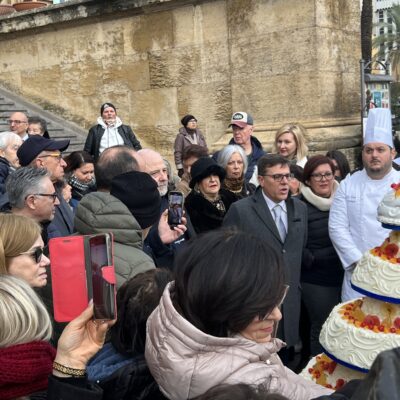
175 209
103 291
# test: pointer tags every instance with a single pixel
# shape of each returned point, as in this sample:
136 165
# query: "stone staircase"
58 128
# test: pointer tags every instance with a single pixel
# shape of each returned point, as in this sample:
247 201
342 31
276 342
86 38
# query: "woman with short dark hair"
80 175
216 323
120 368
340 162
322 272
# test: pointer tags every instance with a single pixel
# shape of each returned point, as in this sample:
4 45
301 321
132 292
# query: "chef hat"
379 127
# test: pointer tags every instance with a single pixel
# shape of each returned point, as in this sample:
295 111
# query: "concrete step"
58 127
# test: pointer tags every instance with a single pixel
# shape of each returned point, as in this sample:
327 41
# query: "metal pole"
362 87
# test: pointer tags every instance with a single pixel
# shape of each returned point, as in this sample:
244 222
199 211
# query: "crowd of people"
213 307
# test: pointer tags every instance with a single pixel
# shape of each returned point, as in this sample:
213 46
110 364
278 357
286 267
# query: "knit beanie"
106 105
186 119
139 192
24 369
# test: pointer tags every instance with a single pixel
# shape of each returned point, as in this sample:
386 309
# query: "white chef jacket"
353 224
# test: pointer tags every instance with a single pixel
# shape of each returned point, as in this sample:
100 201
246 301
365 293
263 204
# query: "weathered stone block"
211 105
189 65
149 32
200 23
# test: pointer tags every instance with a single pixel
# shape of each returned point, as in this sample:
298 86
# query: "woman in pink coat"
216 323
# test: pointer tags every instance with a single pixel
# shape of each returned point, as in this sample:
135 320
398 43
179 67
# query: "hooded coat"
101 212
186 362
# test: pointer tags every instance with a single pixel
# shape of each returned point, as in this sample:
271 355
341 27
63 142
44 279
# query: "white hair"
227 152
6 138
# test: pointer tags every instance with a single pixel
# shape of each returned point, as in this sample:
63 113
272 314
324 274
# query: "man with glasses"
18 123
353 225
282 222
39 152
31 193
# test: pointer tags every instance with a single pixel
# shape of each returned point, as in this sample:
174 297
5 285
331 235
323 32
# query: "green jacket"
100 212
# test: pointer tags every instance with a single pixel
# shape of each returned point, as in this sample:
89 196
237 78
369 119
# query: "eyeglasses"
279 177
52 195
282 299
318 177
36 254
16 121
55 155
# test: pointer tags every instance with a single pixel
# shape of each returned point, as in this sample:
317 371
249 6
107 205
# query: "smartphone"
103 292
68 276
175 209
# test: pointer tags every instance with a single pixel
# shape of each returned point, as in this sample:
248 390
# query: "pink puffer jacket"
186 362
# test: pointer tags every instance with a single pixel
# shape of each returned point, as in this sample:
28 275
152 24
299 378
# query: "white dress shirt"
353 225
271 205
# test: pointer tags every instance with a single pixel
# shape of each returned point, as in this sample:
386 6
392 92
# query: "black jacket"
5 169
92 144
320 263
131 382
204 215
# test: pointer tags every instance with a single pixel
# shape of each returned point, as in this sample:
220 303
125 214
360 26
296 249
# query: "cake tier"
326 372
357 331
389 208
378 273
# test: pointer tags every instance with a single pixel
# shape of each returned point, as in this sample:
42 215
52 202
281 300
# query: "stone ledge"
76 10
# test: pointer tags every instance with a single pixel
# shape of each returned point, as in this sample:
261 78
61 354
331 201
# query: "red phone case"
68 275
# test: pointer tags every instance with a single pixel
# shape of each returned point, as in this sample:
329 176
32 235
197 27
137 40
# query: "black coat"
131 382
204 215
5 169
92 144
321 264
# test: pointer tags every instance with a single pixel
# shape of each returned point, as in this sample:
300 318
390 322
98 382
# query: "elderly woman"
233 159
9 144
189 134
207 203
26 357
290 143
215 324
80 175
322 272
21 249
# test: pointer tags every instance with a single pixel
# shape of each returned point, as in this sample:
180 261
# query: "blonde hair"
17 235
23 316
299 132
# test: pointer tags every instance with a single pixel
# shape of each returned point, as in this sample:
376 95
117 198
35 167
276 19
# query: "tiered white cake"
357 331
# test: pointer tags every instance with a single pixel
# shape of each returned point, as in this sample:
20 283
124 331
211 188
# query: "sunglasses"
280 302
36 254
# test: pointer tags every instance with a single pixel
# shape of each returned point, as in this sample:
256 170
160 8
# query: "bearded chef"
353 224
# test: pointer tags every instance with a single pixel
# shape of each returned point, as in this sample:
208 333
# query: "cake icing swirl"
350 343
389 208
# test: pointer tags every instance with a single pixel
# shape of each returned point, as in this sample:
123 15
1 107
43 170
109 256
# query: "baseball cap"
241 119
34 145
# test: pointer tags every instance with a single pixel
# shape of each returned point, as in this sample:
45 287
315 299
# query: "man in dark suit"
281 221
39 152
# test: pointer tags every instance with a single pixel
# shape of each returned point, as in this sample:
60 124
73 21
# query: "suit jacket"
63 222
253 215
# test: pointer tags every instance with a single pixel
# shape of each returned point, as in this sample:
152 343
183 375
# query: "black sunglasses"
36 254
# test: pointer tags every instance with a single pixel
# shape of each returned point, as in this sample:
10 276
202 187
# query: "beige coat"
186 362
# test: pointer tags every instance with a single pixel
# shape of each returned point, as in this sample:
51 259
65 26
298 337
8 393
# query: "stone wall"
281 60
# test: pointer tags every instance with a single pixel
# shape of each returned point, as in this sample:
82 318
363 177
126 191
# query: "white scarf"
322 203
